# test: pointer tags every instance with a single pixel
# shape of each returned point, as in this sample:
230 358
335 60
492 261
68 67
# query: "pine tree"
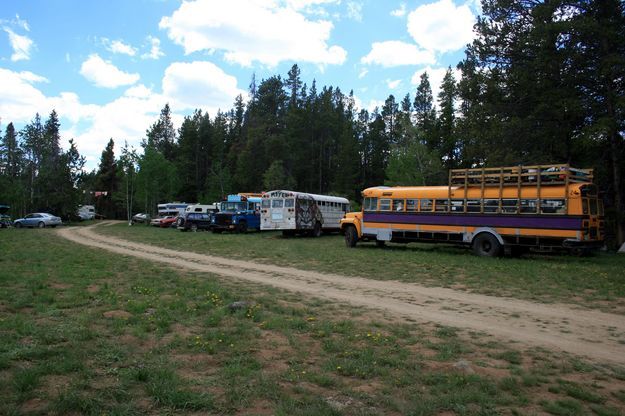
162 135
447 143
425 114
107 182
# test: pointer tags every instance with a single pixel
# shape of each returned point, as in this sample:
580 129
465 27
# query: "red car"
163 222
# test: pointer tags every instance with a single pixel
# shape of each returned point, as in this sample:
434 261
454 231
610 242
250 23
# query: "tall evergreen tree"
425 114
162 134
107 182
447 143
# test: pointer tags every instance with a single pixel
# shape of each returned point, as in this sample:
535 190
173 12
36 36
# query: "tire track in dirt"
593 334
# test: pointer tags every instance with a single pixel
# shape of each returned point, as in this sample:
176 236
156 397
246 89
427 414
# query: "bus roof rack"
536 175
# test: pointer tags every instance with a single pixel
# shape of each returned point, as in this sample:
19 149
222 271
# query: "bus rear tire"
288 233
486 245
380 243
351 236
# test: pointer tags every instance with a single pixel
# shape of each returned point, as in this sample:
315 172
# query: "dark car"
5 220
195 221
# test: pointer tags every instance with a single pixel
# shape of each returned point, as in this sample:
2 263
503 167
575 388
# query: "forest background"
543 82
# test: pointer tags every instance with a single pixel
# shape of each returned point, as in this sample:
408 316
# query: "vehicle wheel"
41 224
194 228
215 231
380 243
18 225
179 222
351 236
316 232
53 226
486 245
287 233
242 227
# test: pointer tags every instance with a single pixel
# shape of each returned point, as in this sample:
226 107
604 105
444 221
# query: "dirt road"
592 334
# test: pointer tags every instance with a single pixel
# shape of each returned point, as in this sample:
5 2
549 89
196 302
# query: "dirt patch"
93 289
258 407
275 352
117 314
35 405
54 384
554 326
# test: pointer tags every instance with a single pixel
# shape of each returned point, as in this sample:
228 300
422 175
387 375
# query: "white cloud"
401 12
199 84
354 10
118 46
155 49
20 99
435 76
104 74
185 86
363 73
21 45
395 53
252 30
304 4
441 26
393 84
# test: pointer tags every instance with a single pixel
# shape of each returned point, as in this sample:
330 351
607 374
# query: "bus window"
289 203
509 206
385 204
528 206
266 203
473 205
277 203
441 205
552 206
411 205
457 205
585 206
491 205
398 205
371 204
600 206
426 205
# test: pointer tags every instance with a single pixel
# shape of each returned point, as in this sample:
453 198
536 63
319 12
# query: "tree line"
543 82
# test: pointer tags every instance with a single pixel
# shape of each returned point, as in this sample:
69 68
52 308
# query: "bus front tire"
316 231
242 227
351 236
486 245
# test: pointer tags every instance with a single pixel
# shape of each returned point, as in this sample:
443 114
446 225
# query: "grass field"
87 332
595 282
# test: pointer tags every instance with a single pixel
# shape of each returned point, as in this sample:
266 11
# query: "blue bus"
237 213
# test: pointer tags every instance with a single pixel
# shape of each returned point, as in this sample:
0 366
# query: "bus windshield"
233 206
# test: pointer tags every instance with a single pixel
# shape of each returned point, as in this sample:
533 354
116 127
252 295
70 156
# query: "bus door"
277 210
592 209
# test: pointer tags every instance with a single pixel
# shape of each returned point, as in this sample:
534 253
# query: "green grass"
87 332
596 282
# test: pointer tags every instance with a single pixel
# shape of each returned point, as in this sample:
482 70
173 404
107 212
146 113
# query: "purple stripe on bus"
559 223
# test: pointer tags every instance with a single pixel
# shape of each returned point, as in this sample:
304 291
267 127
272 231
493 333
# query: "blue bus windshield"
233 206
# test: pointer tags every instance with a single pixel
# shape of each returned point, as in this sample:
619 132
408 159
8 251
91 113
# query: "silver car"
39 220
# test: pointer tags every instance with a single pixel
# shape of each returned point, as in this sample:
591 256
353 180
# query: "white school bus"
298 212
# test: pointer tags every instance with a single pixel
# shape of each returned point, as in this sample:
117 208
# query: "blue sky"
109 67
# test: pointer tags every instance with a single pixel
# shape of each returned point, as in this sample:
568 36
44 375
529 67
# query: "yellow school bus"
493 210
